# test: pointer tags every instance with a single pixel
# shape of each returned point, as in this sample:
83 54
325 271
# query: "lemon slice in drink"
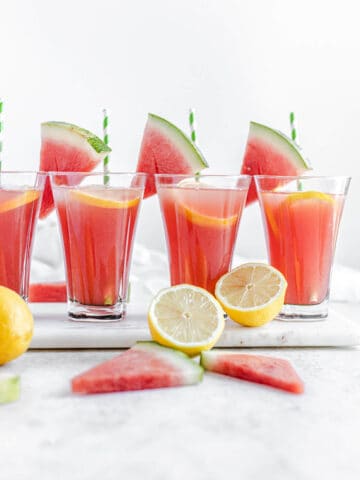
19 200
200 211
186 318
106 198
309 195
252 294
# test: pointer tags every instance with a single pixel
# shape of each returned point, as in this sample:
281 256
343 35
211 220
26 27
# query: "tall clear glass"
301 217
201 217
20 199
98 216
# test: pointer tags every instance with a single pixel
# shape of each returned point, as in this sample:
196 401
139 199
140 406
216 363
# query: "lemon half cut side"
187 318
252 294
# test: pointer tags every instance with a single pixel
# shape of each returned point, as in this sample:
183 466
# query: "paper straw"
1 131
294 135
192 125
106 138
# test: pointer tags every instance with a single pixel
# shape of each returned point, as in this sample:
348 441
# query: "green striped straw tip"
293 128
192 125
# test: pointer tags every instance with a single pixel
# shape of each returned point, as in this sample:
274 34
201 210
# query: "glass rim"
304 177
192 175
23 172
93 174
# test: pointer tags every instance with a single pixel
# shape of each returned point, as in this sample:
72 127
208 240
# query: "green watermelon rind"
208 359
281 141
192 371
180 139
9 388
94 141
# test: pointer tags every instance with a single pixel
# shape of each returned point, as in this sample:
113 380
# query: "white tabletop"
221 427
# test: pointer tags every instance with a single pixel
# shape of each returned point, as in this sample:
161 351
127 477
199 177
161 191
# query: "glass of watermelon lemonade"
301 217
20 198
98 224
201 217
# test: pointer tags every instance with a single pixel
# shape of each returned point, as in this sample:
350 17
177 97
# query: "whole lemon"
16 325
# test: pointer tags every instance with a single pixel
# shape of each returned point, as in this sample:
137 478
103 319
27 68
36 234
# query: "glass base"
304 313
96 313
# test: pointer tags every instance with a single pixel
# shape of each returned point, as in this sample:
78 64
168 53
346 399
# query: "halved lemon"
106 198
19 200
252 294
186 318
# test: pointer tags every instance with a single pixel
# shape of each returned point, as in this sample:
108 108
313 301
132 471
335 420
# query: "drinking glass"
98 216
301 217
20 199
201 216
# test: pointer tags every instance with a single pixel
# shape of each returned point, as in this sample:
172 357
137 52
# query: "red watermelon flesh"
275 372
67 148
146 365
166 149
270 152
47 292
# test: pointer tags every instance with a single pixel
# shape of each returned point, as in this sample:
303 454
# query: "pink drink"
201 224
301 217
302 232
18 211
98 226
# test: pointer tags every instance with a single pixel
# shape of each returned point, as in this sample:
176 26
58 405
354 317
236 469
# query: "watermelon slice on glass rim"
270 152
166 149
67 148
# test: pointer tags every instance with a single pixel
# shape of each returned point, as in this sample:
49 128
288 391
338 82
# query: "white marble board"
54 331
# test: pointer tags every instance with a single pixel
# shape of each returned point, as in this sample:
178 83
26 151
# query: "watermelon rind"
9 388
74 135
192 372
281 142
180 139
208 359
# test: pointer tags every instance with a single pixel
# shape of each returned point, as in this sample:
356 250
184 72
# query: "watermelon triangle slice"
275 372
145 365
47 292
67 148
270 152
166 149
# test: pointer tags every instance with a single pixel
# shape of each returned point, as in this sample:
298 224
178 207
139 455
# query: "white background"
233 61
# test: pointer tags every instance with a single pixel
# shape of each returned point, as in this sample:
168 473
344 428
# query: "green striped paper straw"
1 131
294 135
192 125
106 141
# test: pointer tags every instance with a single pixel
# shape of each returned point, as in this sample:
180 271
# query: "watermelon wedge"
270 152
47 292
67 148
166 149
145 365
275 372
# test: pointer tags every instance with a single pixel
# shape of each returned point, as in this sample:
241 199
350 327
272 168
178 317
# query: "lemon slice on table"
252 294
186 318
106 198
19 200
